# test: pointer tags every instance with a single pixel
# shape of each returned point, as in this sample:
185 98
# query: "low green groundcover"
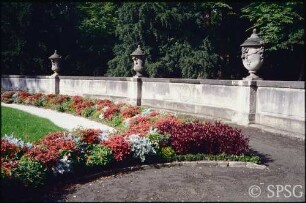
24 125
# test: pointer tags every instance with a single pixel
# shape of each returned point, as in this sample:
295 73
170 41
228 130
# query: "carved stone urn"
138 59
252 55
55 60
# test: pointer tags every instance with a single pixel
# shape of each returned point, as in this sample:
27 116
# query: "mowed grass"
26 126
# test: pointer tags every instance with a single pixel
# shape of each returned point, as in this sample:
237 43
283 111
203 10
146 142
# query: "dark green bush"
99 156
30 172
166 153
88 111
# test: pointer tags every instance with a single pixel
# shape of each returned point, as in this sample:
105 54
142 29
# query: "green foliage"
180 39
67 106
158 140
280 24
157 27
15 18
96 114
31 173
40 102
117 120
99 156
97 27
218 157
99 17
60 108
167 153
88 111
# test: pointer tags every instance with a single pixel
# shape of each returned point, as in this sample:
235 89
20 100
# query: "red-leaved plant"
130 111
119 146
48 149
89 136
205 138
111 112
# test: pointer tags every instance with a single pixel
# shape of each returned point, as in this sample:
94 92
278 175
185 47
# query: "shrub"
116 121
48 150
13 148
166 153
8 168
60 108
111 112
100 104
130 111
58 99
141 147
89 136
30 172
88 111
96 114
205 138
139 125
64 165
67 106
79 107
99 156
6 96
77 99
18 100
39 102
9 151
119 147
58 141
158 140
48 156
167 124
20 96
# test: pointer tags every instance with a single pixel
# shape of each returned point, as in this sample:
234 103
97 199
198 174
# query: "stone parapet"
274 104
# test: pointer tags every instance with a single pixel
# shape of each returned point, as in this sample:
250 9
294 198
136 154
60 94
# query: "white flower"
105 108
101 116
153 130
146 111
103 136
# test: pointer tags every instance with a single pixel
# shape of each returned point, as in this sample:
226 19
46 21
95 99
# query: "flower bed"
142 135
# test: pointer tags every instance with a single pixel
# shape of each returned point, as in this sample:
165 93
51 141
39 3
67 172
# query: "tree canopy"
180 39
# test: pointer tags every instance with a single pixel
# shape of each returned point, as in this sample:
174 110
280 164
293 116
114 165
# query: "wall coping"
259 83
26 76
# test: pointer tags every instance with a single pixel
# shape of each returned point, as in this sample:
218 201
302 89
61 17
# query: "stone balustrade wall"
276 104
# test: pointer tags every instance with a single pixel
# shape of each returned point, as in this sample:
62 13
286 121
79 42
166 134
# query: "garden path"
63 120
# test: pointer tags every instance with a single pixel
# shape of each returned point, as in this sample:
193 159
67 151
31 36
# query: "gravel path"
63 120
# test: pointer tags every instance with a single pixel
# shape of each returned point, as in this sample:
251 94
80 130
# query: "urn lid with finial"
138 52
253 40
55 56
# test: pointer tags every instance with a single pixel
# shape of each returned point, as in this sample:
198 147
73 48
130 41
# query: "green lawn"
26 126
